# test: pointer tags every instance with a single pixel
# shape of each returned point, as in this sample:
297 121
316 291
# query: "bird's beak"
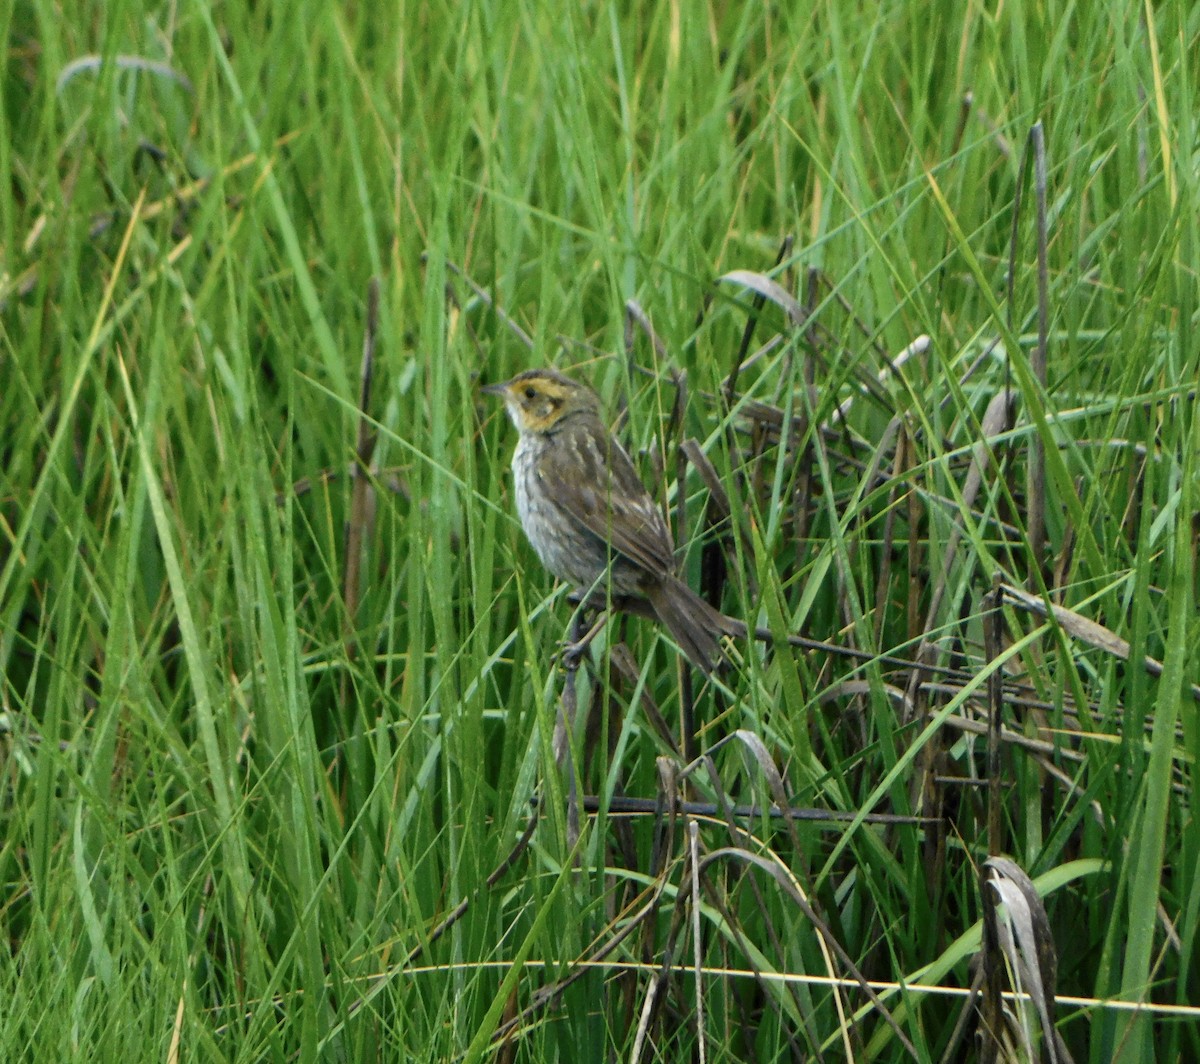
495 389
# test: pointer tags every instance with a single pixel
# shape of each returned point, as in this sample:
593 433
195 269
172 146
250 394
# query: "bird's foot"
580 639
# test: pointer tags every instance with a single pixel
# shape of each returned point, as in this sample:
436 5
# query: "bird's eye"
530 392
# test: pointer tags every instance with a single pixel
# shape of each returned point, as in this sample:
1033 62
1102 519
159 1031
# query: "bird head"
539 399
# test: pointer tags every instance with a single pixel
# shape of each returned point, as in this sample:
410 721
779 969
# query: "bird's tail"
693 623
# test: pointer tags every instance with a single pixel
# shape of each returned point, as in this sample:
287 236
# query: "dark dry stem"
627 806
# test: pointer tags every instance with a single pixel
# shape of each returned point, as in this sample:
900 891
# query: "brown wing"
590 476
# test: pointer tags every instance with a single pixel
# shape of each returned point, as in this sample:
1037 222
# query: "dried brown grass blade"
769 289
636 315
739 359
1082 628
1019 948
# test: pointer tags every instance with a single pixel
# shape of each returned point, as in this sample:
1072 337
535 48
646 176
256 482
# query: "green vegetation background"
231 810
